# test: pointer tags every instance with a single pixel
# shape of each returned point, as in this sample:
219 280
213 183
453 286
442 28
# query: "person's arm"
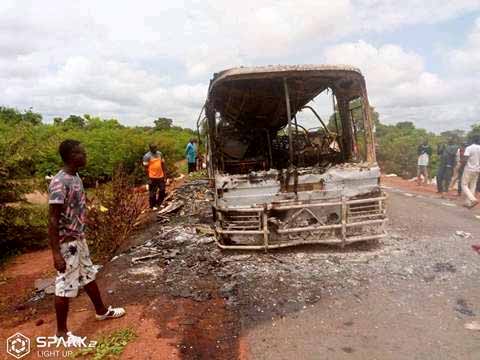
466 154
145 160
56 199
164 168
54 213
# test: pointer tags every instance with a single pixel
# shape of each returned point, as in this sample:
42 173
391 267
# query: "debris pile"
190 265
188 203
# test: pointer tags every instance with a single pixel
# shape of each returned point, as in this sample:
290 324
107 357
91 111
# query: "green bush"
29 150
22 227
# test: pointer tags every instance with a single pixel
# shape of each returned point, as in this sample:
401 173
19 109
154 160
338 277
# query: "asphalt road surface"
410 298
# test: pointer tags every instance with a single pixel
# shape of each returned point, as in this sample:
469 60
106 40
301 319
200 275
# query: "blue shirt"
191 152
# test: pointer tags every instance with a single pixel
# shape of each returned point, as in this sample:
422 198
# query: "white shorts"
80 269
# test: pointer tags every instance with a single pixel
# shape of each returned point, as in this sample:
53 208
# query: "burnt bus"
277 183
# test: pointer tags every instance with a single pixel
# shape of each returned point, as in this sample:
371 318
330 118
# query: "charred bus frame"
277 184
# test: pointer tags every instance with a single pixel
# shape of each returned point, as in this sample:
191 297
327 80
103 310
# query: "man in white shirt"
471 172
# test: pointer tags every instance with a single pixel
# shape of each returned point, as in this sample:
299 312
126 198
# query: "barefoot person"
71 258
471 172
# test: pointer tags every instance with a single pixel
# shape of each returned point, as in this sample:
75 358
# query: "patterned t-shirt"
68 190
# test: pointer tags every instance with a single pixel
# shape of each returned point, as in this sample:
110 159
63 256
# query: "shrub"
22 227
113 212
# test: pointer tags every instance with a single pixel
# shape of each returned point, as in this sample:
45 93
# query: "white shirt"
473 162
423 160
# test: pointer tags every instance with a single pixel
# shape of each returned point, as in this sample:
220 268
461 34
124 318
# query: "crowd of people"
459 164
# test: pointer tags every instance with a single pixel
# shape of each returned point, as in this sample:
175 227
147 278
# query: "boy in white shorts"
66 231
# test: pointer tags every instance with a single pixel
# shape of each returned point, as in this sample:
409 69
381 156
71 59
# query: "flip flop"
112 313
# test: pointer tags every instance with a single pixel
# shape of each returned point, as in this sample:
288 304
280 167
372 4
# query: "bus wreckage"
278 184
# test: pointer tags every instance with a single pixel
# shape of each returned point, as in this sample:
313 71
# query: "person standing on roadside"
458 172
191 154
471 172
71 257
448 156
424 152
155 169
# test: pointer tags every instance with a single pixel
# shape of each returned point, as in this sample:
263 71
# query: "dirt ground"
406 297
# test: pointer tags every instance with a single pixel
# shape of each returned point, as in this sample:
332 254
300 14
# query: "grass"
182 167
109 346
198 175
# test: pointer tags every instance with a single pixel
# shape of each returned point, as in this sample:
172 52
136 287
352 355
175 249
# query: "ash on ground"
183 260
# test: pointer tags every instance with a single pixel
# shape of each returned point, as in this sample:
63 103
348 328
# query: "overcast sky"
138 60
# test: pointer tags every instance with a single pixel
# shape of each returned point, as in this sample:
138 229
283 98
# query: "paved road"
411 301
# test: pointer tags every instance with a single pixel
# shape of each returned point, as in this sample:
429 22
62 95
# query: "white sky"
138 60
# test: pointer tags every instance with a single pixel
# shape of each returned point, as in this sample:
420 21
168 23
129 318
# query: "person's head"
73 153
153 148
476 139
193 140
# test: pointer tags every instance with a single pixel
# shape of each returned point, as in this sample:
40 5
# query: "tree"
474 131
20 226
163 123
57 121
32 117
74 121
405 125
458 136
13 116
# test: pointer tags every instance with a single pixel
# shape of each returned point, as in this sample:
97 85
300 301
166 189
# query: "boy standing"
66 231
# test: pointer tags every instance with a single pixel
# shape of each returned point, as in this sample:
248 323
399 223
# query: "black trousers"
460 174
156 189
192 167
444 177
